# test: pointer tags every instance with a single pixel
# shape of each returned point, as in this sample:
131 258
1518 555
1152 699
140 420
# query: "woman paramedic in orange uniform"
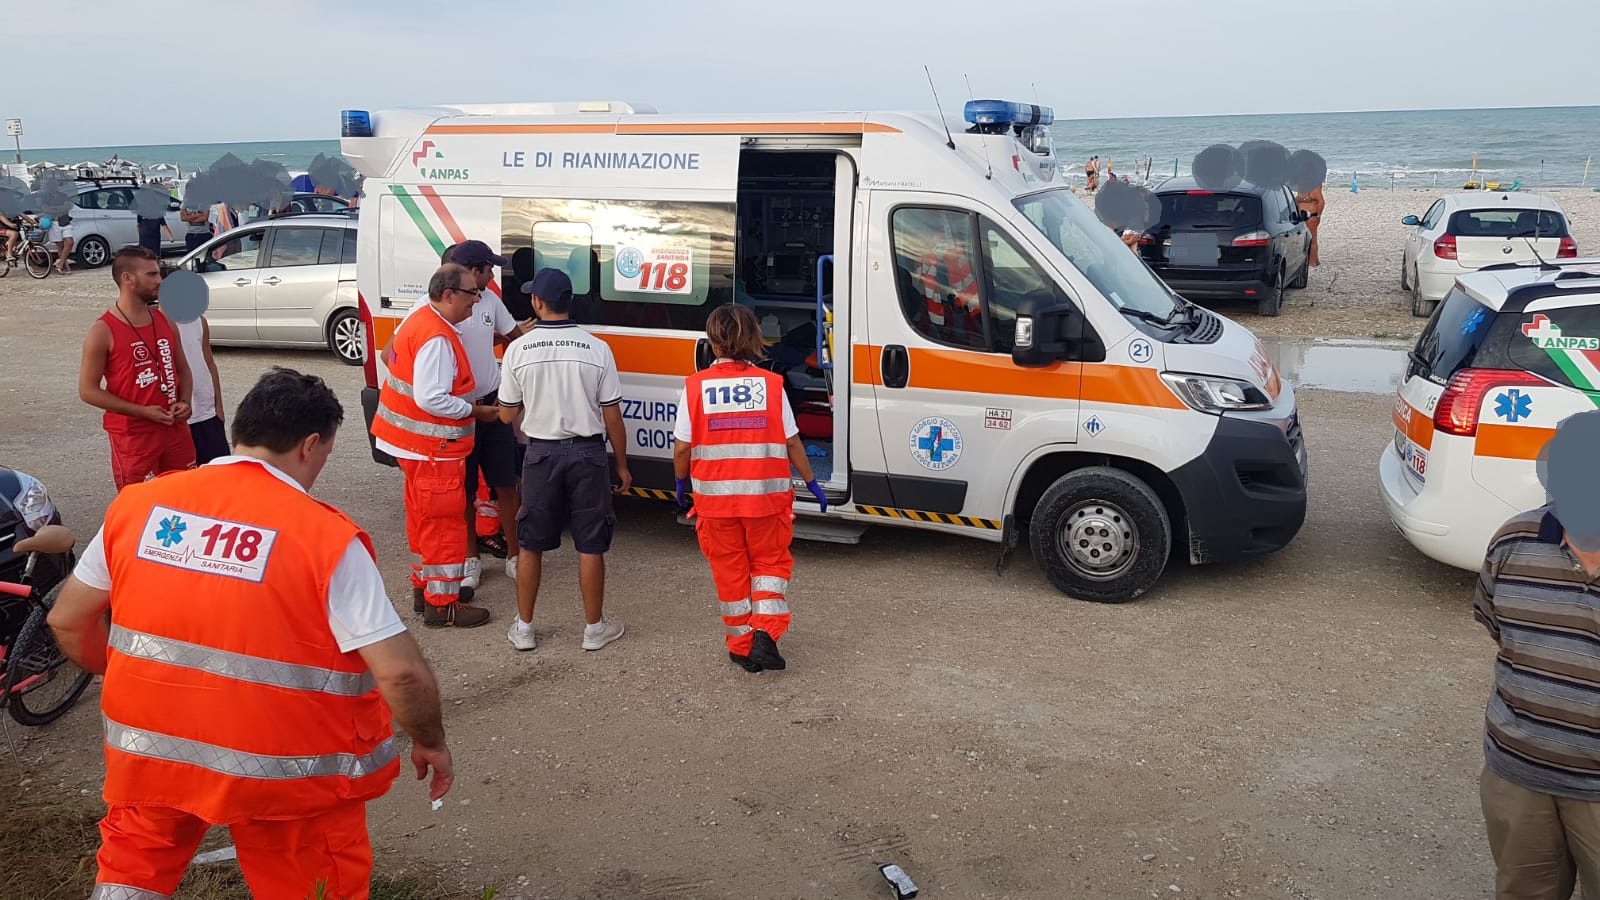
735 441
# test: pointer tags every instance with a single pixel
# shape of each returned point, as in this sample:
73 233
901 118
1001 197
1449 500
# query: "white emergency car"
967 348
1512 351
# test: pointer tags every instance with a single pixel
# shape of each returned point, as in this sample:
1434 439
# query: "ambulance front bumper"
1245 495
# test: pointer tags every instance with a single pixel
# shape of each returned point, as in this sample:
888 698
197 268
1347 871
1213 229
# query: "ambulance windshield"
1097 252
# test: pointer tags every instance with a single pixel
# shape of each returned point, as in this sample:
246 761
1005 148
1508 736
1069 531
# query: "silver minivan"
288 281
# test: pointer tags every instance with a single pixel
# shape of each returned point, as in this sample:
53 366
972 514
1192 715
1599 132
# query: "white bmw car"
1464 232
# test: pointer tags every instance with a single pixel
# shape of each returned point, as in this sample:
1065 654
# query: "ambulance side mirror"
1045 331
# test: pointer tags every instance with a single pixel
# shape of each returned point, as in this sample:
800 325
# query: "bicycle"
40 683
32 251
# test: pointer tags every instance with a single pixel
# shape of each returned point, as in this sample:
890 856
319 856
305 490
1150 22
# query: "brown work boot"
455 615
418 604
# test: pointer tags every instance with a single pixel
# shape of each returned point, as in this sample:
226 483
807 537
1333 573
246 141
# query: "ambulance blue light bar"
1005 112
355 123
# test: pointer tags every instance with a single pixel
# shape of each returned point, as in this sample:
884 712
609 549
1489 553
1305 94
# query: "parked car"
304 202
288 281
103 222
1248 243
1464 232
1506 356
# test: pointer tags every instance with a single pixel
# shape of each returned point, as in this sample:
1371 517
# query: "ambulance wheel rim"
1098 539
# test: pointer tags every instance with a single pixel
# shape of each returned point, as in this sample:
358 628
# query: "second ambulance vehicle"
967 348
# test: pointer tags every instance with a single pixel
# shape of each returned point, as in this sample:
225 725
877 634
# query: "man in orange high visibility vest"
252 663
735 439
425 420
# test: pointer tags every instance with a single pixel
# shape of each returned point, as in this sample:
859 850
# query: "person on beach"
133 368
736 439
1091 173
61 235
1312 202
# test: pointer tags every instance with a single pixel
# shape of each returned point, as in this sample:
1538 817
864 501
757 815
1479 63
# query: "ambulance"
1512 351
967 348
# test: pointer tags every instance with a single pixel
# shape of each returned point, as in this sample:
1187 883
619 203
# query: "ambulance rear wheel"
1101 534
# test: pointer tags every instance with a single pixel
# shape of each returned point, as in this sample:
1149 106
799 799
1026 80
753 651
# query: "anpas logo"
426 158
1546 335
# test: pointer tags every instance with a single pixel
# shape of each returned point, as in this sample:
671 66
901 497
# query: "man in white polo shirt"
568 380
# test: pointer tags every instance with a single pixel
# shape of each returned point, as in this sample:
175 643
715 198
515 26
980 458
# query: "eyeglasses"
467 292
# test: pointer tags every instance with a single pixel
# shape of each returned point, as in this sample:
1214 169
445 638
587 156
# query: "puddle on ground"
1361 367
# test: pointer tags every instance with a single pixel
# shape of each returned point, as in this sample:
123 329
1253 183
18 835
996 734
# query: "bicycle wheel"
41 683
36 258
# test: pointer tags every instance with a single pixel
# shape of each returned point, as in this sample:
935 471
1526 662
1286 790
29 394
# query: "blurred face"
142 281
483 276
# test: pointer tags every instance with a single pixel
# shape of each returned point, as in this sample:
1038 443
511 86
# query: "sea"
1541 147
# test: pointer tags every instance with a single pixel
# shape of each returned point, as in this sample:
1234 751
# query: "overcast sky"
184 71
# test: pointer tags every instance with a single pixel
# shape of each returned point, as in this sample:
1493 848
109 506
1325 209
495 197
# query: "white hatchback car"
1464 232
1513 350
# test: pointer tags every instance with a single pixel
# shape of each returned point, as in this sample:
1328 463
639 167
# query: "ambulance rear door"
945 279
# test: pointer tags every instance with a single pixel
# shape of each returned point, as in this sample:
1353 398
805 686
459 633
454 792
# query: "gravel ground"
1301 726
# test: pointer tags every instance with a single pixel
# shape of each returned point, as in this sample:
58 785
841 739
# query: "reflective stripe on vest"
426 429
239 666
742 488
739 451
239 764
403 388
125 892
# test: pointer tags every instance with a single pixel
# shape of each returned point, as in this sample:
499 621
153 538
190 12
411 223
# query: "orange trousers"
436 531
750 567
144 851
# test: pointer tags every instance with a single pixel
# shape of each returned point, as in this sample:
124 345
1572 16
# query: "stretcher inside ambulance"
966 347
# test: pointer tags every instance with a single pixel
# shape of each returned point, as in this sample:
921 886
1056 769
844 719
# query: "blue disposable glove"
683 494
816 491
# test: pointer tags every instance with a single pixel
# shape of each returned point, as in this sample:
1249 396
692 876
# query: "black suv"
1248 243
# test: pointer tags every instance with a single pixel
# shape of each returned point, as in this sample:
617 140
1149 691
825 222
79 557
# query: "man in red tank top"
133 368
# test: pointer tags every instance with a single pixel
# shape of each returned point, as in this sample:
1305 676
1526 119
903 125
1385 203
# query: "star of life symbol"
1513 405
171 532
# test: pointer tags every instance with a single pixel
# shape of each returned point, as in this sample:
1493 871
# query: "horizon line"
1221 115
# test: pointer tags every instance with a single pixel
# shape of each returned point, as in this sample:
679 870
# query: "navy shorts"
494 453
566 486
210 440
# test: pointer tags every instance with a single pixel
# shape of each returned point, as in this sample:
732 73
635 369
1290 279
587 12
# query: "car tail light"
370 367
1457 412
1253 239
1569 249
1445 247
1198 193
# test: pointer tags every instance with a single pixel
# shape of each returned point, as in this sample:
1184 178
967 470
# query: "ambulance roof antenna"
948 140
981 136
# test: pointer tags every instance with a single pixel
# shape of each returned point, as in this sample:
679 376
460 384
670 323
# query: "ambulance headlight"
1210 394
33 503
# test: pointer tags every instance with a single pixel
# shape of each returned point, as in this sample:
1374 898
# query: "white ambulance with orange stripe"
1511 351
966 347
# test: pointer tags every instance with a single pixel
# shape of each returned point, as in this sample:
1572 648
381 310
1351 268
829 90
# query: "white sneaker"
472 573
511 567
520 638
610 630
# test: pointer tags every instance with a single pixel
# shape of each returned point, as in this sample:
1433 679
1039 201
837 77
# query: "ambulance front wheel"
1101 534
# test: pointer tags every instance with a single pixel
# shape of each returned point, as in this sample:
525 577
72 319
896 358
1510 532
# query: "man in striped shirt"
1539 596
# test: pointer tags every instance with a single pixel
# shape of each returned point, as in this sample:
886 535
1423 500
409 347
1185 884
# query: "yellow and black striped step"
917 515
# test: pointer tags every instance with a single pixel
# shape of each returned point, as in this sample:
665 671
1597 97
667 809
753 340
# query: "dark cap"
476 255
548 284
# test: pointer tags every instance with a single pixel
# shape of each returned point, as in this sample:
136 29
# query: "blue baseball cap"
476 255
548 284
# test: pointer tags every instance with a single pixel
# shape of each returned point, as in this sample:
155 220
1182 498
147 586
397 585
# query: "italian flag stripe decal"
417 217
420 219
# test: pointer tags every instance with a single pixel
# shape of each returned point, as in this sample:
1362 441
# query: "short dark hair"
447 277
561 304
283 409
122 260
445 256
